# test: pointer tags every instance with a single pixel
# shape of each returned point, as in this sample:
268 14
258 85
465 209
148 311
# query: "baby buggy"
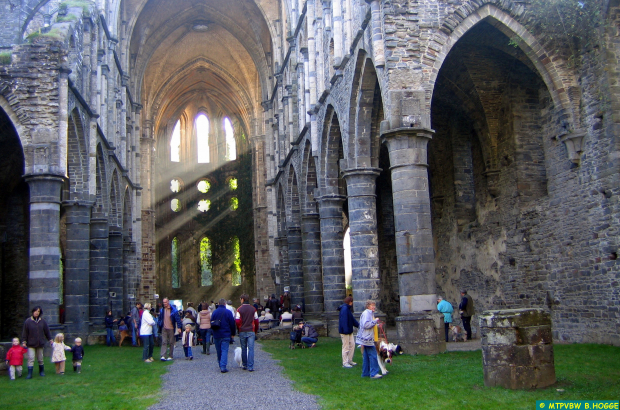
296 339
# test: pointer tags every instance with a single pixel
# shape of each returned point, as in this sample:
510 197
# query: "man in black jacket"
466 308
309 335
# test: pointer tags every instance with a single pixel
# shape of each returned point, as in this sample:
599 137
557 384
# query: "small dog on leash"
458 335
238 356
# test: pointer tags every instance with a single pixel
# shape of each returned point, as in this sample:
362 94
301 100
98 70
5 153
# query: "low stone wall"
517 348
281 333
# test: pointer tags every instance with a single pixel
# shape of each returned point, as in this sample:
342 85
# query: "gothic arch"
100 209
562 86
332 151
77 162
365 106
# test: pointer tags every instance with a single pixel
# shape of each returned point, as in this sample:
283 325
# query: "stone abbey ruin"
391 149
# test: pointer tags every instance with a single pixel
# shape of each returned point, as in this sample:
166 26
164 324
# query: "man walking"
466 308
170 323
135 323
223 325
247 321
346 323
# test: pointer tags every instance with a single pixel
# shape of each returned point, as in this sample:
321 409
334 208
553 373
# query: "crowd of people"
215 324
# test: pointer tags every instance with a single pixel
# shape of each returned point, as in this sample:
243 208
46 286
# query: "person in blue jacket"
445 308
223 333
346 323
169 323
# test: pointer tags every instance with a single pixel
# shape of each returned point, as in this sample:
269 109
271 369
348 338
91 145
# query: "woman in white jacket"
146 334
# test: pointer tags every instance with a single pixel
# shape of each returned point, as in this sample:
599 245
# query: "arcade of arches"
392 150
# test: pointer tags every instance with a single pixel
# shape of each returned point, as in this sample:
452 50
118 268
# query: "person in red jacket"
15 358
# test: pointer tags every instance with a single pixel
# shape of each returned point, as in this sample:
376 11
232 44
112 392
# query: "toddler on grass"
58 353
15 358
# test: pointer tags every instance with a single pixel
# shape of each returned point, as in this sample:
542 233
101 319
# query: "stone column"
311 244
363 234
132 288
99 272
77 265
44 251
332 257
517 348
295 265
420 326
115 269
282 268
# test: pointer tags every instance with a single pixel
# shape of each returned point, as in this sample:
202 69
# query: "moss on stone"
6 58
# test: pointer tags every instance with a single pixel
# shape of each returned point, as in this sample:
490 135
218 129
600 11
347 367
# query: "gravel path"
198 384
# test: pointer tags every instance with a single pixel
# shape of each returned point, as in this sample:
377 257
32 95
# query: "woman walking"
146 333
36 333
204 329
366 338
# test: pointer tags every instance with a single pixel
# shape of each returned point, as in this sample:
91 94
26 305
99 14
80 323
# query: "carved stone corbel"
574 144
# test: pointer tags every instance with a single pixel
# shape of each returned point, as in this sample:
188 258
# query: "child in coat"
58 353
188 342
78 355
15 358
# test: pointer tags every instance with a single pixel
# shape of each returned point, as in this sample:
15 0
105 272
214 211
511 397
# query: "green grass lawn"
445 381
111 378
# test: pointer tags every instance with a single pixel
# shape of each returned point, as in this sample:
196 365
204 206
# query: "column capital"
407 146
78 203
361 181
45 188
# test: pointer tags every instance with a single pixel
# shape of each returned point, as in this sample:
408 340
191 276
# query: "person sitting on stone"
286 319
268 315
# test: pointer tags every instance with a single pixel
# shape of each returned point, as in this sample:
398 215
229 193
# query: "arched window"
206 272
174 257
202 138
236 269
231 147
175 143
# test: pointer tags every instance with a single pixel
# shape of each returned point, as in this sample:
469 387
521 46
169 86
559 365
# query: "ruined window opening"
206 272
175 143
202 138
203 186
204 205
175 205
234 203
348 272
236 270
233 183
174 257
175 185
231 148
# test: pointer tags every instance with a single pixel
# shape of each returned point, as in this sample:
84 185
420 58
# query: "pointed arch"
230 141
100 209
562 86
332 151
311 181
365 113
206 262
77 161
175 142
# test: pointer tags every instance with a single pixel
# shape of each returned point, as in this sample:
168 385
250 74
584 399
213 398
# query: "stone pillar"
44 251
332 257
99 272
115 269
131 279
517 348
295 265
77 265
363 233
283 273
311 244
420 326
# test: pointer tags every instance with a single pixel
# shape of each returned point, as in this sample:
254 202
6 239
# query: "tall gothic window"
206 272
174 257
236 270
175 143
202 138
231 147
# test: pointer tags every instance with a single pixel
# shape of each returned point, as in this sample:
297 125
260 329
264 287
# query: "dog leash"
383 332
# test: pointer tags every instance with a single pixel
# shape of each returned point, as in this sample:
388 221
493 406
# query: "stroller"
295 336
